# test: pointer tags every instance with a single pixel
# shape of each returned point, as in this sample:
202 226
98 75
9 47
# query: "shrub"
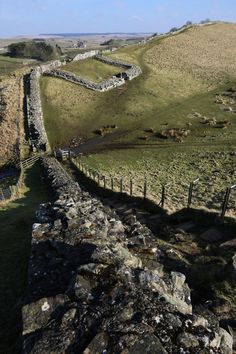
174 29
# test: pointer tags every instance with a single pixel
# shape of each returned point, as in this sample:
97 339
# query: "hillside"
176 108
10 119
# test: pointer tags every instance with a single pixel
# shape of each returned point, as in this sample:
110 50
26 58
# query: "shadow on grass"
16 220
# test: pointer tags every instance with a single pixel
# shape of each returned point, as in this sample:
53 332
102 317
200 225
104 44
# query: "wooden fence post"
190 192
104 181
226 201
131 187
112 183
163 195
145 189
121 185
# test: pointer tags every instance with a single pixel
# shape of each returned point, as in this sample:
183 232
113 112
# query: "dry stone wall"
92 53
101 86
86 55
35 114
37 131
97 285
132 71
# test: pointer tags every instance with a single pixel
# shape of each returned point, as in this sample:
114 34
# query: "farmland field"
8 65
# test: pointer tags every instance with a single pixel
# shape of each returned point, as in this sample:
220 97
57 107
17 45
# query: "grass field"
92 69
175 83
16 220
8 65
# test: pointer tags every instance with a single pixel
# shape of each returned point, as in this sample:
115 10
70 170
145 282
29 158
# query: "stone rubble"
96 284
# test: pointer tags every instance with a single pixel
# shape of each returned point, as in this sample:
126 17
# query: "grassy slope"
16 220
91 69
163 97
8 65
152 100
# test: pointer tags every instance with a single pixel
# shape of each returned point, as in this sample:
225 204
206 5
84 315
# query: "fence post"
112 183
121 185
145 189
131 187
104 181
226 201
190 192
163 195
98 179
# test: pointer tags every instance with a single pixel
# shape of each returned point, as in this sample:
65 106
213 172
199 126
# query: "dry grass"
9 120
92 69
215 170
203 57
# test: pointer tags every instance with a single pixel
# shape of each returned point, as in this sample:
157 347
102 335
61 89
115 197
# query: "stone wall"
86 55
34 107
51 65
105 85
92 53
96 284
131 72
37 130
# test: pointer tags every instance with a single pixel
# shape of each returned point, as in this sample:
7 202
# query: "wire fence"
194 194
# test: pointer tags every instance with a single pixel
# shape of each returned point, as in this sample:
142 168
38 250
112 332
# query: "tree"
174 29
207 20
189 23
34 50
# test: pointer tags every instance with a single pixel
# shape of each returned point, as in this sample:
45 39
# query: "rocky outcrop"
96 284
105 85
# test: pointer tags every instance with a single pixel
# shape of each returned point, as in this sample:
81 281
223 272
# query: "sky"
33 17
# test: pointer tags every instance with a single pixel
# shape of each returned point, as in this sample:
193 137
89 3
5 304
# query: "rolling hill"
170 113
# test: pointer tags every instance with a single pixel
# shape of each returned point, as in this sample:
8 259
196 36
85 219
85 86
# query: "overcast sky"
26 17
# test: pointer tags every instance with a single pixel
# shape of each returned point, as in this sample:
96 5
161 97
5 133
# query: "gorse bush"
34 50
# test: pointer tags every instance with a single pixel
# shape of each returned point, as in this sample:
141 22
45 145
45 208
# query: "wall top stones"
90 283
